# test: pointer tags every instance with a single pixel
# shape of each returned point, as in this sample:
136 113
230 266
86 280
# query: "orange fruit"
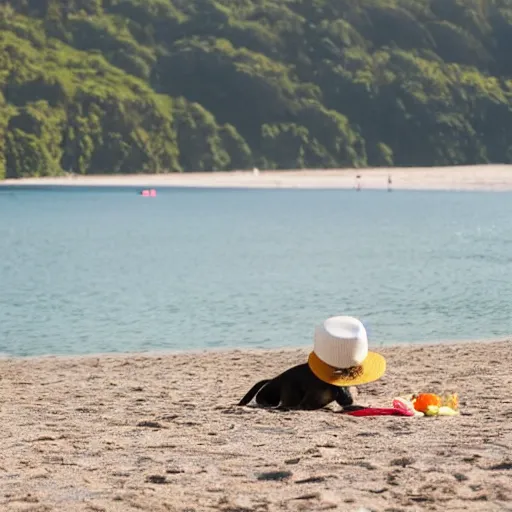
423 400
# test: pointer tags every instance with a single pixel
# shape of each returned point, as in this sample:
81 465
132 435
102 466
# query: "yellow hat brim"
374 367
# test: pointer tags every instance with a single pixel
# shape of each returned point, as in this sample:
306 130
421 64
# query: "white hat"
341 343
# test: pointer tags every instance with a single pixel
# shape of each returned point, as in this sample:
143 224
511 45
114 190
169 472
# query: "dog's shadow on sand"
257 409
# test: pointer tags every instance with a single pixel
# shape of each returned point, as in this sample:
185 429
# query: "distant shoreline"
496 178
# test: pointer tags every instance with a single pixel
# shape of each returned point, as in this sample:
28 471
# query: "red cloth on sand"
380 411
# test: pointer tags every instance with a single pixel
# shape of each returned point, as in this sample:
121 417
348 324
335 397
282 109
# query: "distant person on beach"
340 359
389 182
358 183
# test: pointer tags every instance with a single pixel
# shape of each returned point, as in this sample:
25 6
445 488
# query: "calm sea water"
106 270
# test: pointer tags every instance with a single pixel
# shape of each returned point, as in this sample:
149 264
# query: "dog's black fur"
297 388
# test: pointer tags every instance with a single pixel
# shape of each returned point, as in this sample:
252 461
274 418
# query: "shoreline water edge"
205 351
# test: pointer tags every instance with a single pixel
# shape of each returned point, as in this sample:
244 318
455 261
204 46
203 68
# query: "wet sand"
478 177
161 433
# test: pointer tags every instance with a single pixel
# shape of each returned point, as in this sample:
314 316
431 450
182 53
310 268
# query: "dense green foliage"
124 86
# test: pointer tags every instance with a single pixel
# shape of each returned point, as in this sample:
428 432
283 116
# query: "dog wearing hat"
340 358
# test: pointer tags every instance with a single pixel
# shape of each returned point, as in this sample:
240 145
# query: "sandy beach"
162 433
480 177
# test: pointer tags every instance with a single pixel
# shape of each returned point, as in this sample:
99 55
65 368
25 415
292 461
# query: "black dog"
297 388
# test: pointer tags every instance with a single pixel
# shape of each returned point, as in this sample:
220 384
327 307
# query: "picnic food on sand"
429 404
425 400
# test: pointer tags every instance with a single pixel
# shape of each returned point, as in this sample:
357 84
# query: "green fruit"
432 410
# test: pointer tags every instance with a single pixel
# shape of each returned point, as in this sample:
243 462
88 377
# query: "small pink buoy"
152 192
145 193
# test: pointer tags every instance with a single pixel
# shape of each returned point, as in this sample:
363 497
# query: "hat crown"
341 342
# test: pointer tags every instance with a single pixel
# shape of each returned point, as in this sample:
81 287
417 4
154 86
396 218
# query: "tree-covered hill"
125 86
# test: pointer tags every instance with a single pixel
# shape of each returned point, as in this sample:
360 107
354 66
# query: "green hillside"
126 86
